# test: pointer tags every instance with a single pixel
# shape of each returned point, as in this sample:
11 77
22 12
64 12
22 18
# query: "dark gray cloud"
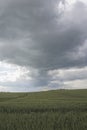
35 33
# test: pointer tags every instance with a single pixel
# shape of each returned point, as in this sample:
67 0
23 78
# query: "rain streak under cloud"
43 44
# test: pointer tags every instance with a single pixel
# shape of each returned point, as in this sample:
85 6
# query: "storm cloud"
44 35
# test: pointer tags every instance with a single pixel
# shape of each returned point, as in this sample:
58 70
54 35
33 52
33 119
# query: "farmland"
51 110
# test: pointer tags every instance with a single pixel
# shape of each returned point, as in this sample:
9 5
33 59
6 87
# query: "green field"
52 110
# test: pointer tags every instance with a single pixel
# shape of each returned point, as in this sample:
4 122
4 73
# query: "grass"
52 110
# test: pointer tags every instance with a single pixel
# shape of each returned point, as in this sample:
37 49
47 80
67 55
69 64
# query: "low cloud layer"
45 36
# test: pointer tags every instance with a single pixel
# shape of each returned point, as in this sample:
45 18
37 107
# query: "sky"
43 45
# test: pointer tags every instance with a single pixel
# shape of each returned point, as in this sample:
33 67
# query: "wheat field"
52 110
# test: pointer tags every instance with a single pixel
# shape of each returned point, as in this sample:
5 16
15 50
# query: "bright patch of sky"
12 73
13 77
66 5
73 78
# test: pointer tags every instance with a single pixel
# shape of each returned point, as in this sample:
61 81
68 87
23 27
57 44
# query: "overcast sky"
43 45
